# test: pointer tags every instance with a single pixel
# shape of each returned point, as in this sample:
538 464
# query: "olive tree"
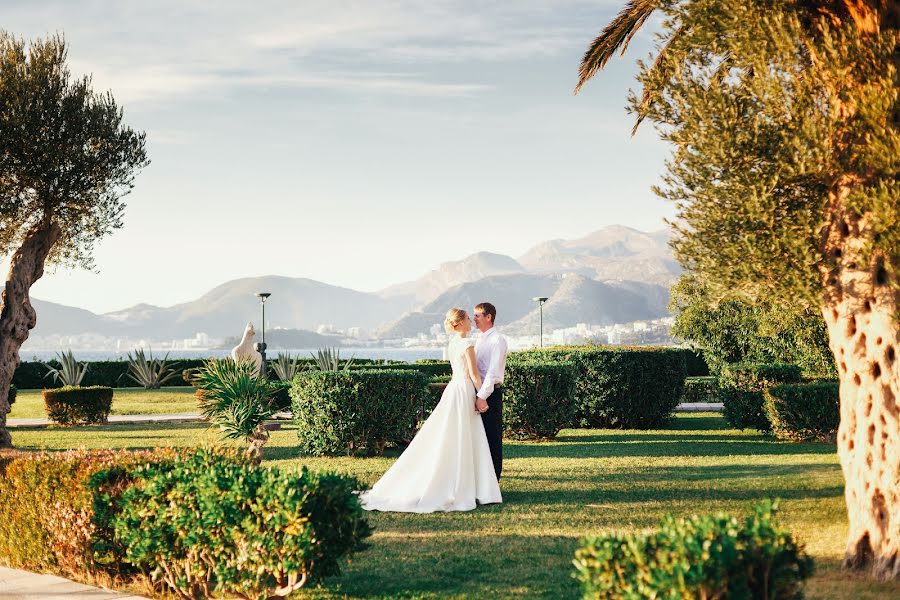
783 118
66 161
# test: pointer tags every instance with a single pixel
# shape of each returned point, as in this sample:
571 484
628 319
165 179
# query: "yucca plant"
70 372
150 373
287 367
232 397
329 359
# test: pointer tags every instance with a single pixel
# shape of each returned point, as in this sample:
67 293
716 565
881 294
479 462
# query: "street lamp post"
261 346
541 300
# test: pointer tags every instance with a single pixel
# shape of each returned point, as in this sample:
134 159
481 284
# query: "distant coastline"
402 354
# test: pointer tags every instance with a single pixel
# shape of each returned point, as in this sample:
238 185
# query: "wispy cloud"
178 49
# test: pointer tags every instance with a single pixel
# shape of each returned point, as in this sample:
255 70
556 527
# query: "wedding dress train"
447 466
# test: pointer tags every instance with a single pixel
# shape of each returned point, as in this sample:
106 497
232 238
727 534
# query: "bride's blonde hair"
453 318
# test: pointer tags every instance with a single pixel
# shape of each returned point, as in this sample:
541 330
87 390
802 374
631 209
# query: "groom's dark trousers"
493 428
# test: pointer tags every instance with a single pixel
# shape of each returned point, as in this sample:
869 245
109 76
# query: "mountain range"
614 275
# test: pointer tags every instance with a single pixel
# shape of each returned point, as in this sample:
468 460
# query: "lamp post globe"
261 346
540 300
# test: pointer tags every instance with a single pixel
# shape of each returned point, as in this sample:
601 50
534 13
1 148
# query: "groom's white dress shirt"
490 358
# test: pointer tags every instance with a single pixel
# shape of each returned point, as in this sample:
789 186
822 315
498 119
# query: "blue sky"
356 143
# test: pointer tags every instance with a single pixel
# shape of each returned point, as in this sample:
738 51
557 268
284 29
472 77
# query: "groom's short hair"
488 309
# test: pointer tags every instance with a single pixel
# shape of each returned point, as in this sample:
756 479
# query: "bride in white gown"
448 464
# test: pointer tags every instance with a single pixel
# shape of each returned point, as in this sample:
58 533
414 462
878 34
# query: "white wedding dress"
448 464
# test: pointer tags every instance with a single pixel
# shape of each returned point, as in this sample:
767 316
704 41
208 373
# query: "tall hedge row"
114 373
621 386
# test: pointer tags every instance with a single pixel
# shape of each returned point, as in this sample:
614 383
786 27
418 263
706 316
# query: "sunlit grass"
126 401
587 481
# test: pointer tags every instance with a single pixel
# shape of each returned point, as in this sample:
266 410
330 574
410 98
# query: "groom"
490 357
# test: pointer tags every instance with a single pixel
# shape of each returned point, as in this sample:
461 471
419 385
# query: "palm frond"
665 66
614 37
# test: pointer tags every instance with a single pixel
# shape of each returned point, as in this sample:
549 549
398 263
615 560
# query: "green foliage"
233 398
329 359
619 386
209 525
697 558
429 369
70 371
700 389
538 398
150 373
803 412
768 106
11 396
356 412
742 389
74 405
48 520
733 330
287 367
29 375
65 157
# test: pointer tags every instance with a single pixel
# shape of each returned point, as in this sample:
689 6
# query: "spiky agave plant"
70 372
237 401
151 373
287 367
329 359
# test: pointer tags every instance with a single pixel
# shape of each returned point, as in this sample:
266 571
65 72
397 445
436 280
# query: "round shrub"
356 412
742 386
76 405
621 386
538 398
11 396
698 557
804 412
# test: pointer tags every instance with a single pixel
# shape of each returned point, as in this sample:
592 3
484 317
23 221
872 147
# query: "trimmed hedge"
804 412
700 389
78 405
538 398
620 386
699 557
742 386
11 396
356 412
208 526
105 515
114 373
48 516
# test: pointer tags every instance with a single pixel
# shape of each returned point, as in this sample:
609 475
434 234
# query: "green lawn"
126 401
587 481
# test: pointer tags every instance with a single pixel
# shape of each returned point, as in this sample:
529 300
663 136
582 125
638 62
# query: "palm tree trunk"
257 440
860 309
17 316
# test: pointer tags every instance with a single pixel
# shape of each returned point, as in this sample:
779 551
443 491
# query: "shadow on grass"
465 565
621 445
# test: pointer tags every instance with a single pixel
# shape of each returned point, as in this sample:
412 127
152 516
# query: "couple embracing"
454 461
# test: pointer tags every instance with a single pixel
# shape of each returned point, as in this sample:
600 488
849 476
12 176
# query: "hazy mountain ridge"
616 274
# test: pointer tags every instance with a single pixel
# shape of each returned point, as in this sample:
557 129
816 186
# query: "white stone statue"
246 351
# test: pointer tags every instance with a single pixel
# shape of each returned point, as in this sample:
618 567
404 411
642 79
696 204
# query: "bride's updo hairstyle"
454 317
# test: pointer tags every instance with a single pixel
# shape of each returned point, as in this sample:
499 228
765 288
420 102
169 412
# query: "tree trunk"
257 440
17 316
861 309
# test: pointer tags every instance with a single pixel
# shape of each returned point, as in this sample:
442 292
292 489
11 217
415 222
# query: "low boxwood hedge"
621 386
356 412
802 412
77 405
698 557
207 526
538 398
210 520
742 386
